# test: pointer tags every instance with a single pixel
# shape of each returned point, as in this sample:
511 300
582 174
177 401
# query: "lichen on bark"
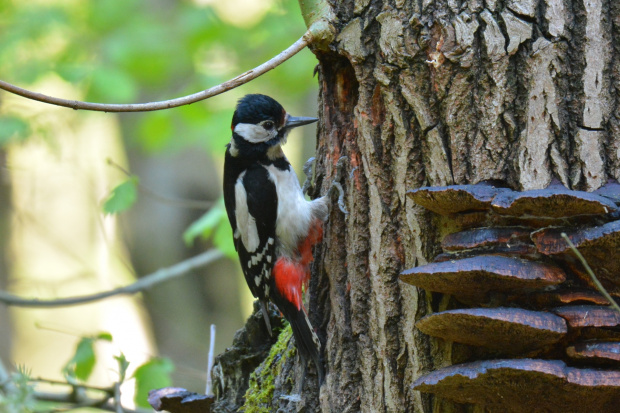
261 394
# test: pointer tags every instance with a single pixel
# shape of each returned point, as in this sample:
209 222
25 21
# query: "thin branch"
73 398
209 389
172 103
159 276
74 386
77 397
5 379
170 200
69 398
597 283
117 398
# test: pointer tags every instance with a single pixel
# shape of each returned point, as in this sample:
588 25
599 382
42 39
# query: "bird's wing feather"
256 210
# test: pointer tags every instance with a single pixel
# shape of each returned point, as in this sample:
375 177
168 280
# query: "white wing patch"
266 272
246 224
258 257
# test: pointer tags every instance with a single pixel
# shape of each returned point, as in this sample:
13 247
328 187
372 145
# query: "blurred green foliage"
130 51
21 400
122 197
154 374
12 129
214 223
81 365
122 51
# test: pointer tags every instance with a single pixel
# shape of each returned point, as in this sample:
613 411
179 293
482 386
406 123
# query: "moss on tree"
259 396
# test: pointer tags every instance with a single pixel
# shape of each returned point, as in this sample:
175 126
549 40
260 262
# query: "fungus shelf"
525 295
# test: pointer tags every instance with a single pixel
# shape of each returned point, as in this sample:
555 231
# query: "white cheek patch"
246 224
254 133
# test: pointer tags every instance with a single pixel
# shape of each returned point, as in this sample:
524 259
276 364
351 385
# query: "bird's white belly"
294 212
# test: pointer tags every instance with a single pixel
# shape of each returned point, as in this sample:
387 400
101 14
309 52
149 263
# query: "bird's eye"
268 125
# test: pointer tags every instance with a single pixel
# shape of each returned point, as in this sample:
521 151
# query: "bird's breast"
294 212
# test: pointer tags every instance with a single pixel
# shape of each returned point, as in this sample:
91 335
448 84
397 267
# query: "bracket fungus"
525 385
476 276
508 241
595 352
479 238
446 200
589 316
179 400
527 296
553 202
600 246
546 299
504 330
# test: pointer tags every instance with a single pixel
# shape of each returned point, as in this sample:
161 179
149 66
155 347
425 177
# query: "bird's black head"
256 109
259 124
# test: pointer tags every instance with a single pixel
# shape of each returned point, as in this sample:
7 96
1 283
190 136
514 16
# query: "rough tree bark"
421 92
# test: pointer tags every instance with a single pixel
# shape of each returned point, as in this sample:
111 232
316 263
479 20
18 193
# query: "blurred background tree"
55 240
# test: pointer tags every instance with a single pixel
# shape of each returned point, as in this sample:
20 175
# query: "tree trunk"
5 235
422 93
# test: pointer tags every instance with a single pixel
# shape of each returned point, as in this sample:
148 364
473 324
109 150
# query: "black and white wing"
255 203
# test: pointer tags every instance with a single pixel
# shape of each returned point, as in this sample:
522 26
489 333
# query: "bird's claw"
336 185
296 398
340 166
307 168
341 206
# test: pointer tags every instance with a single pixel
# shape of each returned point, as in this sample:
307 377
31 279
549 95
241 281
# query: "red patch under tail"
315 235
289 275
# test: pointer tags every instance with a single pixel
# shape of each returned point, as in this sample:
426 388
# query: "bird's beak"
295 121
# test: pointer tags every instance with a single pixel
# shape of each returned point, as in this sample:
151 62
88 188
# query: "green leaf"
72 72
83 361
203 227
109 14
105 336
213 224
122 197
123 363
154 374
110 84
12 129
155 130
223 239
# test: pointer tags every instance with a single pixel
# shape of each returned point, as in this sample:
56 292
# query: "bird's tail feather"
265 311
306 340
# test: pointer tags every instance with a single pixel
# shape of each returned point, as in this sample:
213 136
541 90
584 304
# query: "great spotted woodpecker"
274 226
